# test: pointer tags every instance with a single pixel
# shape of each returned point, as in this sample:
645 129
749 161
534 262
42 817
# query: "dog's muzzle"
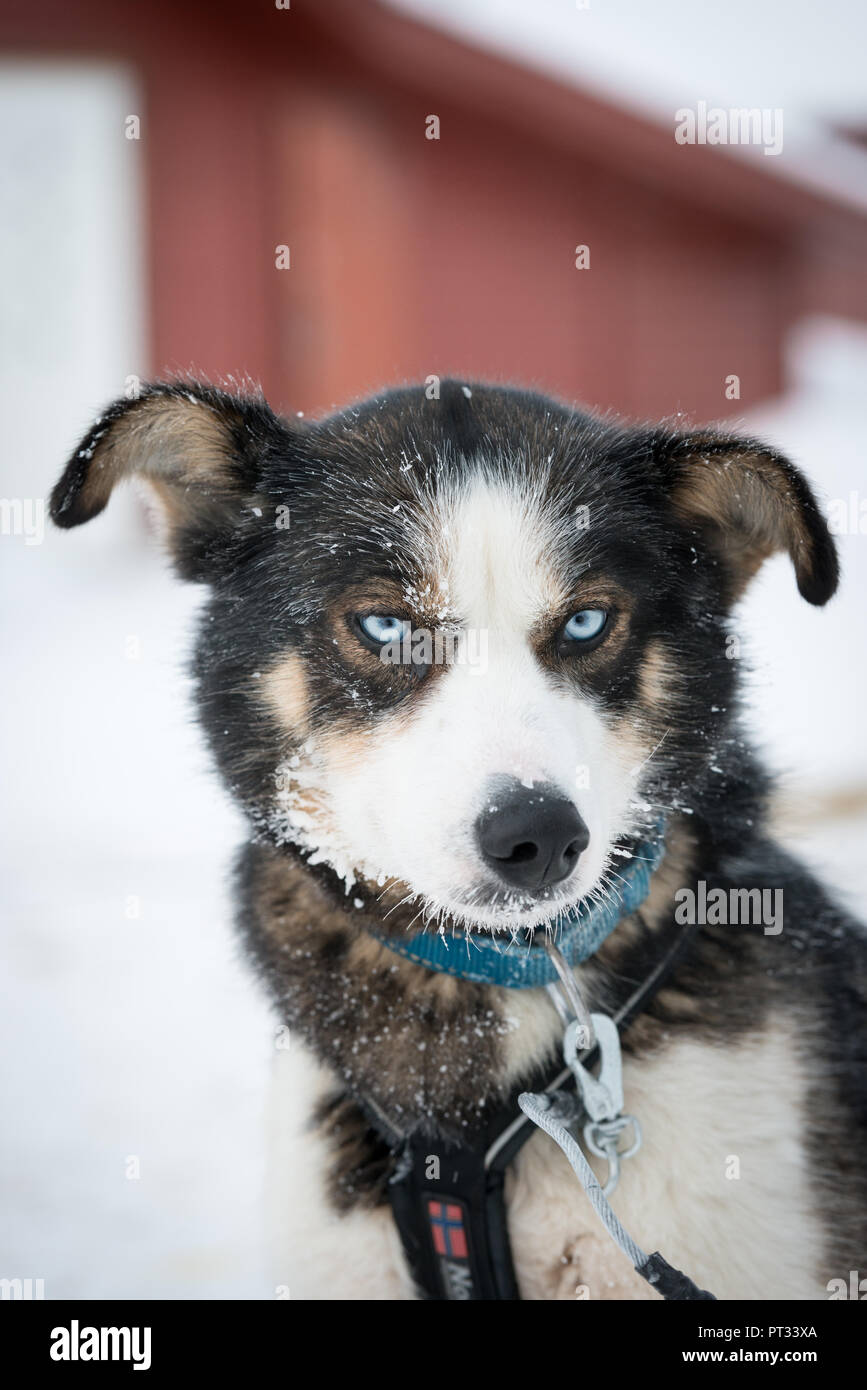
531 837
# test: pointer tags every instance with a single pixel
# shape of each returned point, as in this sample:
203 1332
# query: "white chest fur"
720 1187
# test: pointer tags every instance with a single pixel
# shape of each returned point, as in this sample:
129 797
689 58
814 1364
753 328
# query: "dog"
487 789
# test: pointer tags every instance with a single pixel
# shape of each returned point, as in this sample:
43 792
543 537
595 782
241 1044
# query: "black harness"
448 1198
449 1206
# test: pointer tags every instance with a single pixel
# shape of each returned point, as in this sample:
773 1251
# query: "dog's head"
458 649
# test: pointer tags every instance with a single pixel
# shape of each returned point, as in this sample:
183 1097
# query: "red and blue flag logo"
448 1229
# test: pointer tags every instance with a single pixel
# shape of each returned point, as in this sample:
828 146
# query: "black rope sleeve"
669 1281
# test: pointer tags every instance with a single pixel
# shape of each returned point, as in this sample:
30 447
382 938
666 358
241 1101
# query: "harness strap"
451 1215
448 1198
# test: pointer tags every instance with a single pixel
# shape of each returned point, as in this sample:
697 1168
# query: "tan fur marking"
750 499
170 442
284 690
654 678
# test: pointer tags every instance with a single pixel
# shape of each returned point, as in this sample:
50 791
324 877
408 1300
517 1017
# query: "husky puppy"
460 657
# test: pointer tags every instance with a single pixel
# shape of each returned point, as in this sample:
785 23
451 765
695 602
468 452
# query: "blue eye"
584 626
383 628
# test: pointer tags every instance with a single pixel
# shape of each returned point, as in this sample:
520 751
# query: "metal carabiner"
602 1138
599 1097
602 1094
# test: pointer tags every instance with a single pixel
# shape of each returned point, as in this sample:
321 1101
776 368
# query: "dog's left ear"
750 502
199 448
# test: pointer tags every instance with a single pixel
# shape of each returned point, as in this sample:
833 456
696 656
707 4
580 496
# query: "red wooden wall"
409 256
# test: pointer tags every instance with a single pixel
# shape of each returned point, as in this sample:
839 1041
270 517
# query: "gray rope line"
545 1116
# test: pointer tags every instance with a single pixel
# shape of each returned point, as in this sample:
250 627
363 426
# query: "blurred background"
251 189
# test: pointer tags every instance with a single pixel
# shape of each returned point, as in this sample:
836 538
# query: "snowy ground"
130 1029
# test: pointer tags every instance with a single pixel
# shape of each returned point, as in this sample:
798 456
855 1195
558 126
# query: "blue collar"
521 963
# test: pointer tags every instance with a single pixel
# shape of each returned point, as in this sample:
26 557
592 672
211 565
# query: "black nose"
532 837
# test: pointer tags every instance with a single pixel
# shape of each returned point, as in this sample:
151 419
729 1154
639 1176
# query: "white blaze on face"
406 807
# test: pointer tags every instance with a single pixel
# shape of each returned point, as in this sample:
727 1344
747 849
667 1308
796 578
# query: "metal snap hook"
602 1138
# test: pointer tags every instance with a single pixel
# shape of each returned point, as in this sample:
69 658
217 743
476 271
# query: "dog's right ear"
199 448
